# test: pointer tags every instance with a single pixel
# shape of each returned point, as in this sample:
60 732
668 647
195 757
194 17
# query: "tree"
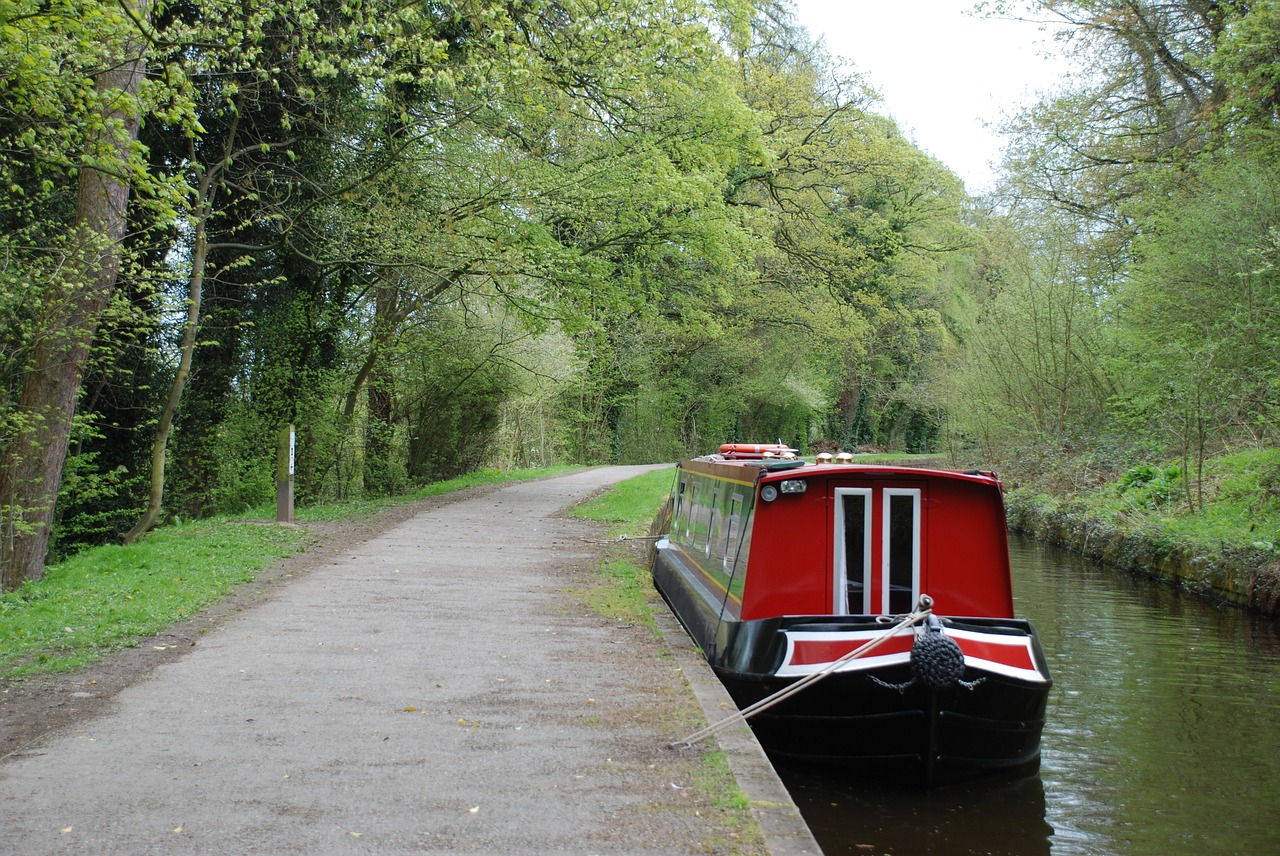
858 221
1146 99
1202 310
1245 64
72 300
272 81
1031 365
678 208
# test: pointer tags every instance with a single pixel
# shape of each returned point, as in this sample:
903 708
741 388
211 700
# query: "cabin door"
878 533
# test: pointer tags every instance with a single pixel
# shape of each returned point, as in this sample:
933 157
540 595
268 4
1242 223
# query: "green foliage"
456 379
1116 339
439 238
1246 60
1030 360
1148 486
94 504
1240 508
1202 310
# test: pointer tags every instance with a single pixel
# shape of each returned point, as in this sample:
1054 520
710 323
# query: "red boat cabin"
775 538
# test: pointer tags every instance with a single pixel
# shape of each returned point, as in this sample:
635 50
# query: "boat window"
680 506
901 559
693 512
853 551
711 521
732 531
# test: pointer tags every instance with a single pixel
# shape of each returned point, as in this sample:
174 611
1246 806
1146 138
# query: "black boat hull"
870 716
926 737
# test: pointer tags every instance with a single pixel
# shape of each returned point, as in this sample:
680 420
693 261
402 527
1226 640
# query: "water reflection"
1163 735
953 821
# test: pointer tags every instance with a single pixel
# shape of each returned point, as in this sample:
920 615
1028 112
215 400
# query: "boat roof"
779 469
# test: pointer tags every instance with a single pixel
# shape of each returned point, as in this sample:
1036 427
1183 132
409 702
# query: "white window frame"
840 599
693 512
711 520
886 495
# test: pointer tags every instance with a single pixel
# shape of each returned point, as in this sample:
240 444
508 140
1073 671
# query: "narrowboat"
781 569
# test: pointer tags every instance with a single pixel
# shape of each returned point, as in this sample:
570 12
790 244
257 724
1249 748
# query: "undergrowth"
1235 501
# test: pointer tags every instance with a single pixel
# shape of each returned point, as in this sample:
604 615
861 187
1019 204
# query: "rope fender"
936 659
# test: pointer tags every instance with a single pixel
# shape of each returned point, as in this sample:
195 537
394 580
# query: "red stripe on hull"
1006 655
1015 655
820 652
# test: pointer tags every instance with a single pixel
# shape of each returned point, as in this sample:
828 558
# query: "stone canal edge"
785 831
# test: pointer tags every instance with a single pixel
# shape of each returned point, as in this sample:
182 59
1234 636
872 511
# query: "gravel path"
438 688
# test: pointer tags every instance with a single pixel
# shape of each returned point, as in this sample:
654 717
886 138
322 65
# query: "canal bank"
784 829
438 687
1245 575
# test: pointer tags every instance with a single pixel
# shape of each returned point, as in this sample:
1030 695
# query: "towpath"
438 688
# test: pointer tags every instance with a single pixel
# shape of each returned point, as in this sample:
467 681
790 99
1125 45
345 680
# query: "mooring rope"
622 539
914 618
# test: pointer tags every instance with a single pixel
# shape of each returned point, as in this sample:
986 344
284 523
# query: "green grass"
111 597
629 506
624 590
715 777
1236 503
622 593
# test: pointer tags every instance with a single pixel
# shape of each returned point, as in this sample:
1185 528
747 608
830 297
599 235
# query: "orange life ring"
754 450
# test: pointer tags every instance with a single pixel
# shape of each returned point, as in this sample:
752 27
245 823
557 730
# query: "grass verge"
1216 533
110 597
624 591
629 506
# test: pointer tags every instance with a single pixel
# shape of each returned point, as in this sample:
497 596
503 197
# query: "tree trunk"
377 446
31 464
199 259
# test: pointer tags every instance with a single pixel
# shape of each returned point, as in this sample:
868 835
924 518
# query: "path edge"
785 831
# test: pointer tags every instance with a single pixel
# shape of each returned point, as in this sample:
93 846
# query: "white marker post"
284 475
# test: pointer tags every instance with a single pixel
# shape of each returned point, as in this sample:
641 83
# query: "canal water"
1163 736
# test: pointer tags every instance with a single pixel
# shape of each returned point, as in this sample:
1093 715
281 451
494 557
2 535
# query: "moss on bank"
1218 537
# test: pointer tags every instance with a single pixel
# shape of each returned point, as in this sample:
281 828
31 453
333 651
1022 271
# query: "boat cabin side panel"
711 529
791 537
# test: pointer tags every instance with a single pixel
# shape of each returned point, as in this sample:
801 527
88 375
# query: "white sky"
946 76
